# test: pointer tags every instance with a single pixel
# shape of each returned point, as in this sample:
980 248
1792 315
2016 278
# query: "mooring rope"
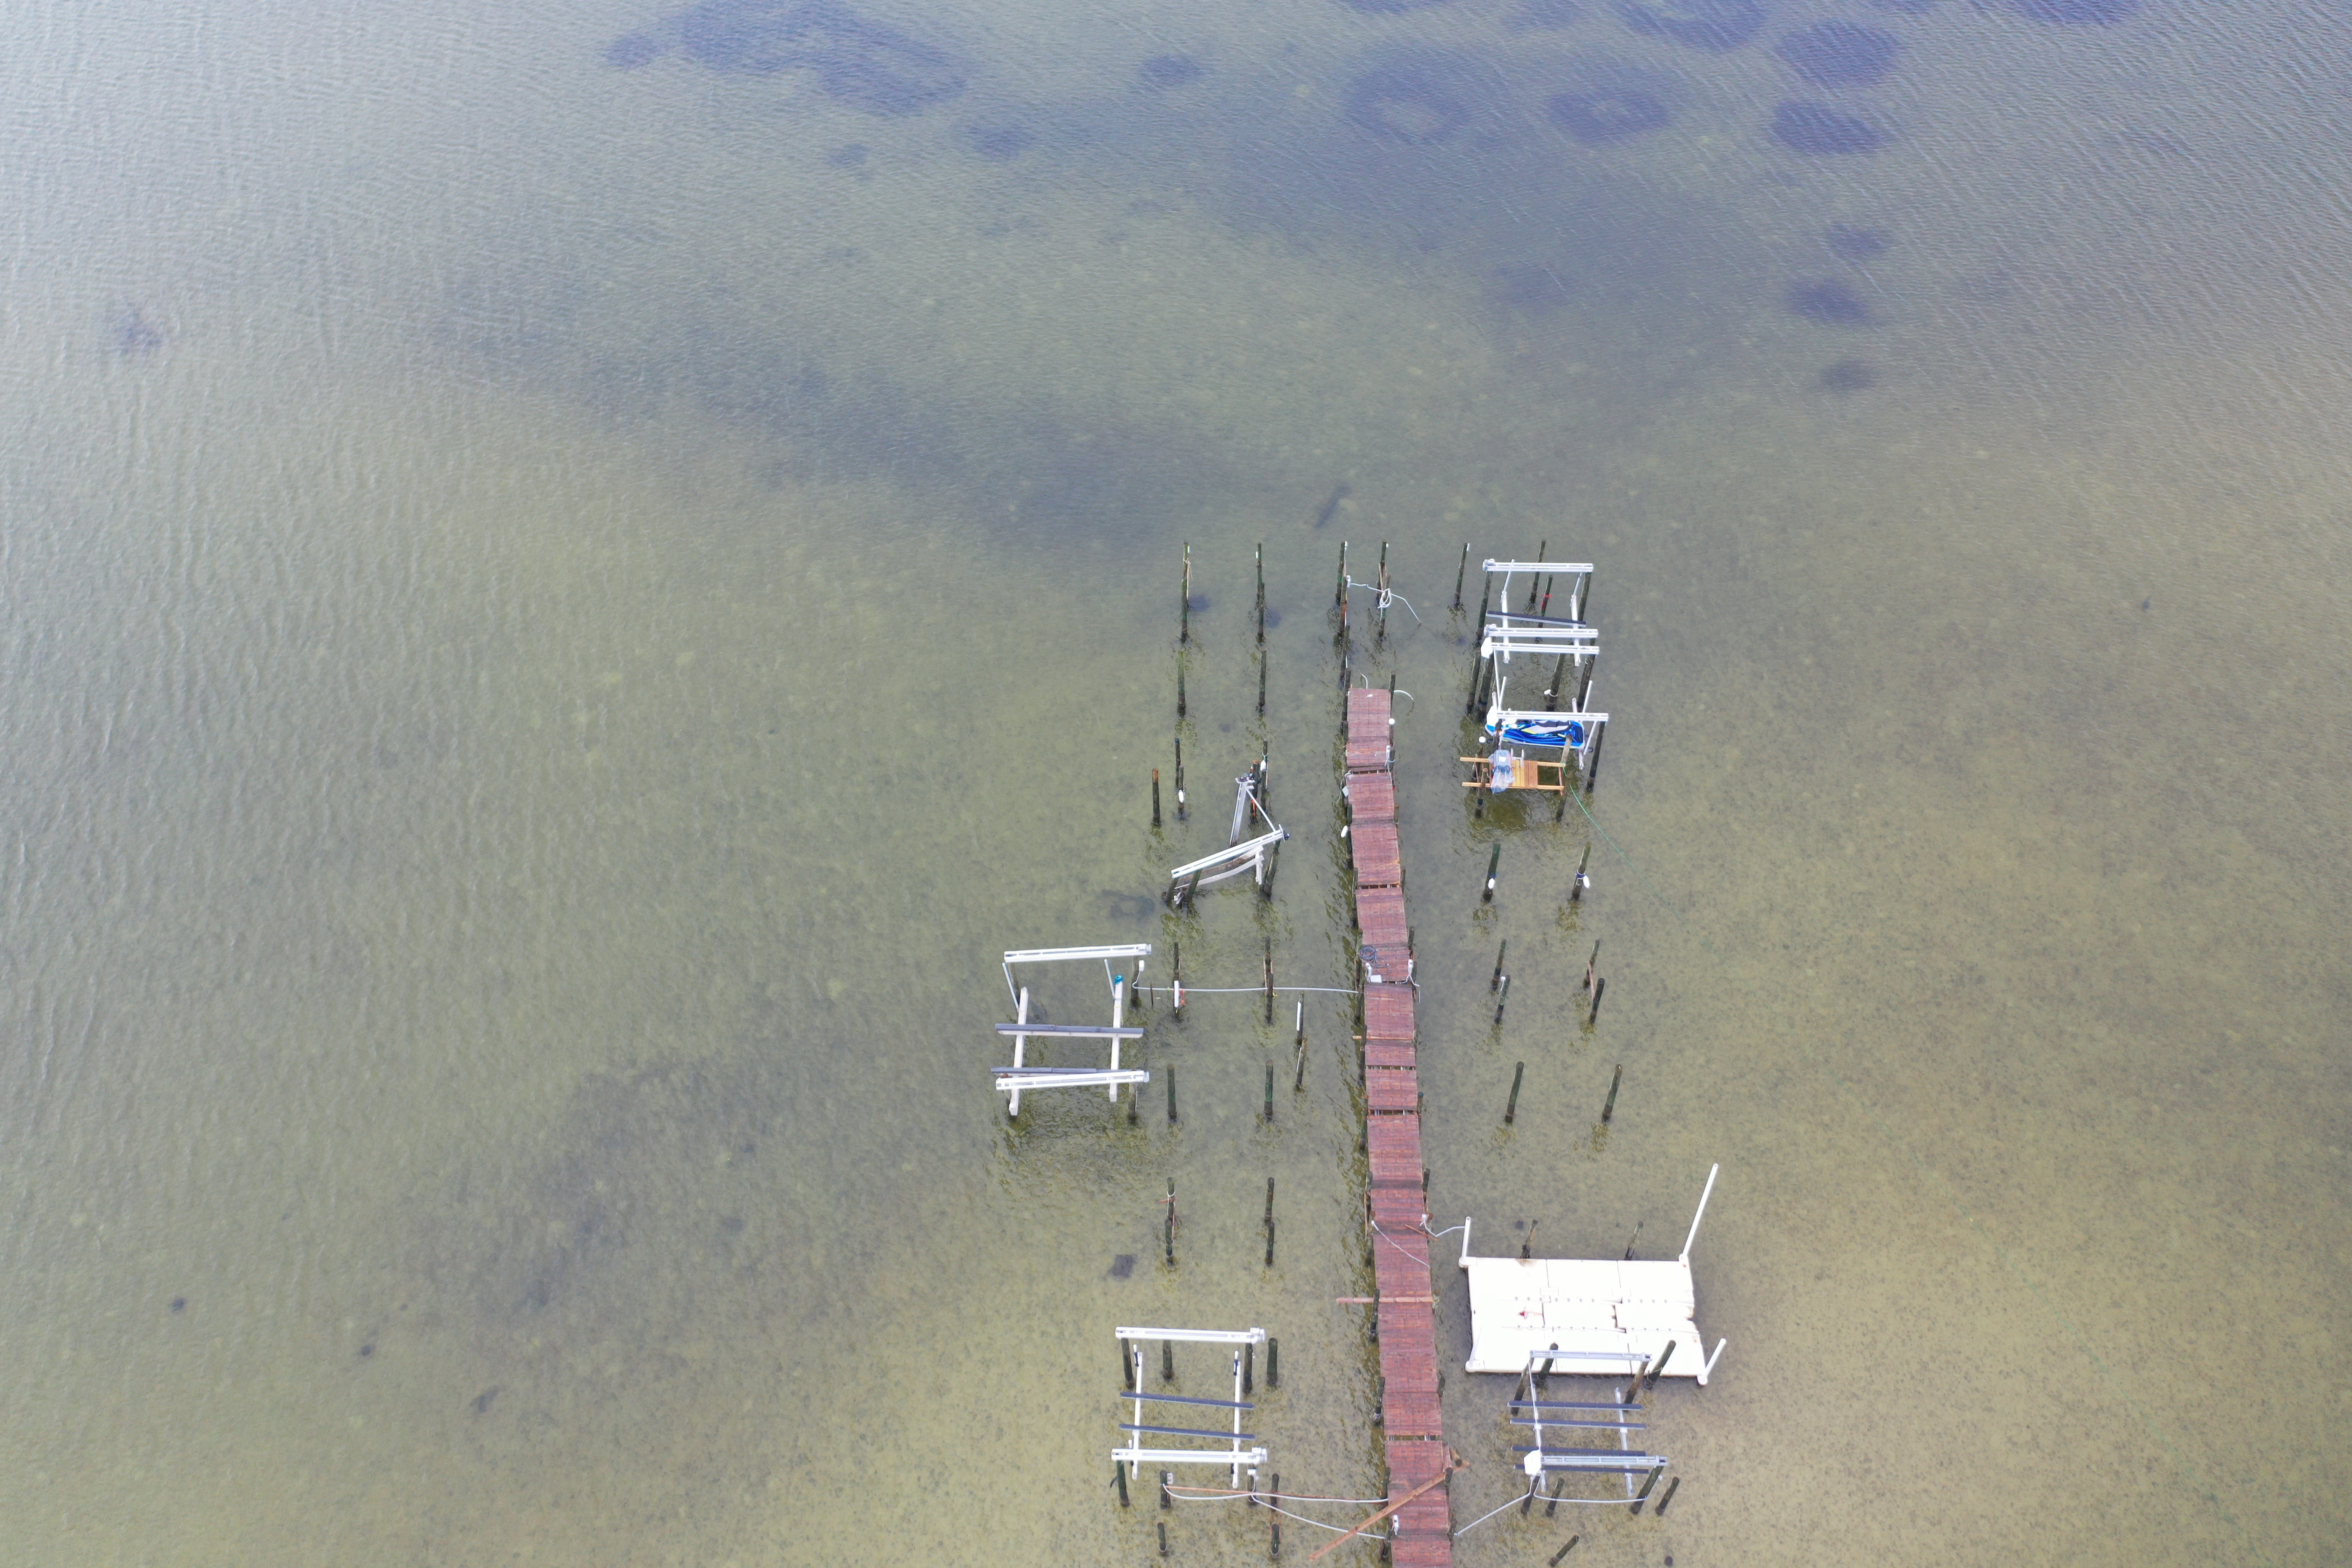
1951 1196
1385 595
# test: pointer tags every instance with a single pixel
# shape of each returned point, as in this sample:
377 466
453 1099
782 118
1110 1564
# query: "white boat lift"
1603 1317
1233 1456
1022 1076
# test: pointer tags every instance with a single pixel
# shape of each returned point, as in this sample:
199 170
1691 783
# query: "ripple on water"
1404 104
1610 115
863 63
2075 13
1162 72
1828 303
1817 130
1848 242
1714 25
1840 54
998 143
1846 377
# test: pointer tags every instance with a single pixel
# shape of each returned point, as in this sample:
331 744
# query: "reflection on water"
577 574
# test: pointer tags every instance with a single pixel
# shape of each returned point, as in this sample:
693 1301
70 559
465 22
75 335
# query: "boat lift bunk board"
1023 1076
1594 1317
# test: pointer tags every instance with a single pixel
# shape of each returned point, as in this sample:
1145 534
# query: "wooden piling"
1660 1512
1494 983
1180 781
1527 1250
1658 1366
1249 1368
1180 688
1273 1362
1269 1091
1166 1499
1541 551
1575 889
1599 985
1155 797
1553 1563
1643 1494
1269 980
1273 1546
1126 1366
1184 616
1261 679
1167 1361
1170 1229
1501 997
1381 624
1494 860
1511 1110
1588 963
1608 1106
1340 593
1558 674
1163 1540
1260 608
1118 1474
1459 573
1171 1095
1592 771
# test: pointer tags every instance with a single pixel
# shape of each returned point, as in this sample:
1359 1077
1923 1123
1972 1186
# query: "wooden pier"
1406 1304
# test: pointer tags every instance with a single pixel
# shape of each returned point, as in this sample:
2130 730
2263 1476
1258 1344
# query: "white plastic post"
1118 1020
1708 1369
1693 1236
1466 1241
1020 1043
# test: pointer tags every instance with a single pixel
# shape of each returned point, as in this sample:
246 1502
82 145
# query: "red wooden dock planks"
1375 854
1388 1015
1371 798
1413 1421
1392 1089
1380 915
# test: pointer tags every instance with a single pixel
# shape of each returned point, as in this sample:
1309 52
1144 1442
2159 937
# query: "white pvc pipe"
1020 1045
1118 1021
1693 1236
1708 1369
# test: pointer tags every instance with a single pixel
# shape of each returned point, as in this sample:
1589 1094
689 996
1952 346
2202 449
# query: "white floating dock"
1602 1315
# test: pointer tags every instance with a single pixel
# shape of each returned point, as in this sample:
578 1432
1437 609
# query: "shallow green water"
559 619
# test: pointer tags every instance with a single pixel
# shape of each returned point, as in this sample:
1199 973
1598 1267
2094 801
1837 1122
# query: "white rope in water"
1581 1501
1385 595
1253 990
1485 1517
